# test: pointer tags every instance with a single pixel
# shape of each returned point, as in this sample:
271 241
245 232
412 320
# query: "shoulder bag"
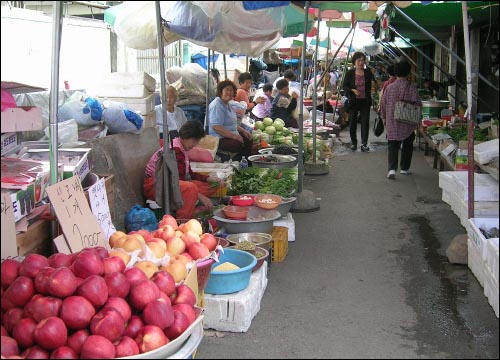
407 111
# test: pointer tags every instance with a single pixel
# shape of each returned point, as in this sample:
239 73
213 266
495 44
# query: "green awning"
295 16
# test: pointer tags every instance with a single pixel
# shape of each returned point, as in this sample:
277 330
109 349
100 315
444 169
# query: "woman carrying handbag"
400 132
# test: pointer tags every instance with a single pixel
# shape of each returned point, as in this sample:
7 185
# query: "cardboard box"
36 239
74 161
23 118
462 159
9 142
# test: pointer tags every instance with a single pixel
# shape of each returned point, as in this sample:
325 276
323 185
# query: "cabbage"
270 129
278 125
265 137
288 141
267 121
259 125
279 120
285 131
256 137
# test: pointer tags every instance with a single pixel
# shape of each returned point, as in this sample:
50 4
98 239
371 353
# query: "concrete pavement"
367 276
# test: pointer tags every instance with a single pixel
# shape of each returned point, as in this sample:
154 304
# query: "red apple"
113 264
94 289
9 346
180 324
87 263
50 333
143 293
118 284
198 250
61 283
135 275
164 281
10 271
187 309
76 340
120 305
158 312
35 352
126 347
23 332
11 318
77 312
101 251
97 347
3 331
18 293
151 337
41 307
64 352
42 278
60 259
145 234
209 241
183 295
168 219
134 325
108 323
32 264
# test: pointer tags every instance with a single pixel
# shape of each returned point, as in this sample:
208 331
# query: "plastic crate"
279 243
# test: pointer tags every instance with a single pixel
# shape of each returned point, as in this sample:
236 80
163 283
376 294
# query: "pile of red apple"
178 244
87 305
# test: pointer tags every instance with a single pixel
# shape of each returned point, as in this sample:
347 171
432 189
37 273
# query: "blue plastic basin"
228 282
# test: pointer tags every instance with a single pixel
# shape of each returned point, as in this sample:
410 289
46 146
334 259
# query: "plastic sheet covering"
225 26
191 84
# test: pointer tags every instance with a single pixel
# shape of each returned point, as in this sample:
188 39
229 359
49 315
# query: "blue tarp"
202 60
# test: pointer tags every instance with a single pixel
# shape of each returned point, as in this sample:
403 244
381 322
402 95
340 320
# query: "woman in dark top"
357 86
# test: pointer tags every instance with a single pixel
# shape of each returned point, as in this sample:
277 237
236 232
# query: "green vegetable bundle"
264 181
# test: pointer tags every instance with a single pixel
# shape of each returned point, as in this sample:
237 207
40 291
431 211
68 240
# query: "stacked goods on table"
134 90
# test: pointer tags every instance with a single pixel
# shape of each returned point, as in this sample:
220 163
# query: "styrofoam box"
474 262
482 209
485 151
475 234
491 290
492 257
289 223
143 106
485 186
123 91
234 312
131 78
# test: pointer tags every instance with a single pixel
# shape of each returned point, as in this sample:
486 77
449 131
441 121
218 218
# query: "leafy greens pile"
254 180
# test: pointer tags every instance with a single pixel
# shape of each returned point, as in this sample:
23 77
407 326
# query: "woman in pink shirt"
262 110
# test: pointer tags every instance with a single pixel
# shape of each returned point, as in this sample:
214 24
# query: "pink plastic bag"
8 100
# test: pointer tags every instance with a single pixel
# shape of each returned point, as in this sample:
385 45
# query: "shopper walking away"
399 135
357 86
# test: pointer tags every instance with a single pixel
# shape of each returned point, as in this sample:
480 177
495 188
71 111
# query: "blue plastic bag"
140 218
86 111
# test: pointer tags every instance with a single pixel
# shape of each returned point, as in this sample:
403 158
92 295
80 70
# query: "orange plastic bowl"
268 201
235 212
243 200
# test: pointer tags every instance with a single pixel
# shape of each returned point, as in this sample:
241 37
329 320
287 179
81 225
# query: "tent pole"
328 69
315 97
470 112
166 137
436 40
402 53
225 67
207 120
57 23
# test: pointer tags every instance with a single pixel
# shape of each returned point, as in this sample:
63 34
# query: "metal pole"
164 105
225 68
315 97
324 92
207 120
436 40
403 53
470 111
301 102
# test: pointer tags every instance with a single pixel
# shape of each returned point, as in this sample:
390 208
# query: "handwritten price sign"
79 225
100 207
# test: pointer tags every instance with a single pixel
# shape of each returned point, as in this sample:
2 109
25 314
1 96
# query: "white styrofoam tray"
492 257
130 78
476 236
485 151
485 186
491 290
143 106
475 263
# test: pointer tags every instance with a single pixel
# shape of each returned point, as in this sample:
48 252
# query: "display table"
439 157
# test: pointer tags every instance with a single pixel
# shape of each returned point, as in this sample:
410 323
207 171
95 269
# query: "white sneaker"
391 174
405 172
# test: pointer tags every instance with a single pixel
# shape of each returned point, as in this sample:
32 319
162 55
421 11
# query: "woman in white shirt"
175 115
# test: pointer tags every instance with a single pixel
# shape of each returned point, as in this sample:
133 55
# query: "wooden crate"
36 240
279 243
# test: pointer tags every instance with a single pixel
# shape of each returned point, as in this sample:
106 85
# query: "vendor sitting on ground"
194 186
175 115
223 122
284 104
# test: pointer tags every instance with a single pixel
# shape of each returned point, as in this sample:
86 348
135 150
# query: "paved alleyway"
367 276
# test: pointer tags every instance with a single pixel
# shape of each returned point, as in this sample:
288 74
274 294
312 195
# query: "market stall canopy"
224 26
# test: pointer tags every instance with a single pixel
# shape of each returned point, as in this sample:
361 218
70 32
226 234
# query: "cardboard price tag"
79 225
9 245
100 207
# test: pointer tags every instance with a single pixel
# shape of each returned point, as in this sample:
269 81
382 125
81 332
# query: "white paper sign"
100 207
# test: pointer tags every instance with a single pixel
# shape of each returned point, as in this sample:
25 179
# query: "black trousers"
360 110
406 152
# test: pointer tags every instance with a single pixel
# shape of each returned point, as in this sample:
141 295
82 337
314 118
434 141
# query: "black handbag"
378 126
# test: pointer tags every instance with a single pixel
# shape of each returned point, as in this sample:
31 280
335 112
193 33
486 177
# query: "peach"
148 267
121 254
194 225
176 246
114 237
168 219
177 269
157 249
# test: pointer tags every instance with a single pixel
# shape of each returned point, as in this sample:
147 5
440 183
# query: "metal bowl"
258 220
259 239
284 161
